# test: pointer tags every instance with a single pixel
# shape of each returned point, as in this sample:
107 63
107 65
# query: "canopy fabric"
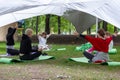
27 13
82 21
107 10
81 13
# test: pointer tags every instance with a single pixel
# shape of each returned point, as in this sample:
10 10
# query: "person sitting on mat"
100 44
10 42
107 35
42 41
26 52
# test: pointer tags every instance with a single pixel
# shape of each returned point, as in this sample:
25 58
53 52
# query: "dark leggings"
88 55
12 51
30 56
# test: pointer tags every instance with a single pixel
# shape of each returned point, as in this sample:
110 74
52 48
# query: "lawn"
60 68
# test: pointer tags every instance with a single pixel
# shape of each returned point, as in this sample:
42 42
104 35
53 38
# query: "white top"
111 45
43 41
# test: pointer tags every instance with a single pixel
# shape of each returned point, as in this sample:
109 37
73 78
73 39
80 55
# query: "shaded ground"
53 72
60 68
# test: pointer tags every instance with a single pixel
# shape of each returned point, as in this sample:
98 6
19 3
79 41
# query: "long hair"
101 32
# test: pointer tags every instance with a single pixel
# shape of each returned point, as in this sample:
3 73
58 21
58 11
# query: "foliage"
110 27
66 26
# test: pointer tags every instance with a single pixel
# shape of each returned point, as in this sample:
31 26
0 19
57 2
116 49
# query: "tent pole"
96 26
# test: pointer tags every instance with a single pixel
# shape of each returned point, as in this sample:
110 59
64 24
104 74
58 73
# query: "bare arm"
115 34
48 35
79 35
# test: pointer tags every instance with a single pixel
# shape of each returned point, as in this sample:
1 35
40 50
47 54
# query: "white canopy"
80 20
80 12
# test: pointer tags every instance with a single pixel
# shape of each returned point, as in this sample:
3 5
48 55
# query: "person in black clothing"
26 52
10 42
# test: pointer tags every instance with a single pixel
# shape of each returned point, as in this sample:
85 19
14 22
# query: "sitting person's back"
25 46
99 44
10 42
9 36
26 52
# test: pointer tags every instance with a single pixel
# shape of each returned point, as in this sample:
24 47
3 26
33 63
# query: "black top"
83 36
9 36
25 46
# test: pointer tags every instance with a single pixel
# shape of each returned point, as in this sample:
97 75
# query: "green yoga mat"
81 59
112 51
113 63
85 60
11 60
61 49
46 57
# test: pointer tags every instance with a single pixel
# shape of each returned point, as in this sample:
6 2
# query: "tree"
59 25
47 25
89 31
105 25
115 28
99 26
47 22
37 23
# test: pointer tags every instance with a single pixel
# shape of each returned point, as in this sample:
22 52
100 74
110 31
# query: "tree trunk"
105 25
24 27
115 28
89 31
47 25
37 22
99 26
59 25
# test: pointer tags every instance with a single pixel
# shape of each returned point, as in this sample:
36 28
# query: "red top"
99 44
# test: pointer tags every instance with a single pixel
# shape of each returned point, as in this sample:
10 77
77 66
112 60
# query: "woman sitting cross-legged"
100 44
26 52
10 42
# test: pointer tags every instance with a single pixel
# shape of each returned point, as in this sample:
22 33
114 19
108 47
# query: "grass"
60 68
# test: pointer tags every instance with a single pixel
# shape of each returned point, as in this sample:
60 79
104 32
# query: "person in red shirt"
100 44
107 35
